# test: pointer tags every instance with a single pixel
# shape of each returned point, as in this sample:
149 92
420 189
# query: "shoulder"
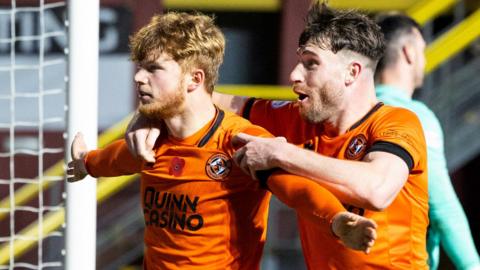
402 128
234 124
396 113
233 121
397 123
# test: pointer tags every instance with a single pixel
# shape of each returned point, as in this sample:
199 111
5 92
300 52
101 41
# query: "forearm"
362 184
229 102
309 199
113 160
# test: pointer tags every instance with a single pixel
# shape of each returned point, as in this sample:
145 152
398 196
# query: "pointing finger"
238 155
241 139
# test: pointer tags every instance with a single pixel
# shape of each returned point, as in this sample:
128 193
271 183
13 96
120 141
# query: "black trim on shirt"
247 108
309 145
374 109
263 176
216 124
393 149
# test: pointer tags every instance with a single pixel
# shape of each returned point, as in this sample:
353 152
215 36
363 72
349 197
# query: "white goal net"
32 126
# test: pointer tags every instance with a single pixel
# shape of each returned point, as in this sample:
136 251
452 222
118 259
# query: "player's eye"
310 64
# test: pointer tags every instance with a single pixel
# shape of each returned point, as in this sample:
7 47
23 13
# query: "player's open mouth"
301 97
142 94
144 97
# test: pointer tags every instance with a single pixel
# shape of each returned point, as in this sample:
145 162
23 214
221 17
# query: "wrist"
84 159
334 226
280 157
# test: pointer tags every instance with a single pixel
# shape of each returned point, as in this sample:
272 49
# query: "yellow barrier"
372 5
453 41
50 223
53 220
258 91
28 191
426 10
276 5
224 5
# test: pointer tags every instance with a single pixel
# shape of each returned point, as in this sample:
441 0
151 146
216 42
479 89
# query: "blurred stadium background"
261 41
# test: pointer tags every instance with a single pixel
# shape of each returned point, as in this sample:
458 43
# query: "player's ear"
408 52
197 78
353 71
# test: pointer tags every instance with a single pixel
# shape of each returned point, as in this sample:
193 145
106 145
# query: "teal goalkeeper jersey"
448 223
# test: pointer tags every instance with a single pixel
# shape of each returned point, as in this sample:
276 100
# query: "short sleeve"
399 132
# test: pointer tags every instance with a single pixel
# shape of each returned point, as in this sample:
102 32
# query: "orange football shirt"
200 210
402 227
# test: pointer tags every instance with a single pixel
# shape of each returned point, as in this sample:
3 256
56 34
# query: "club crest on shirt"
218 166
279 103
356 147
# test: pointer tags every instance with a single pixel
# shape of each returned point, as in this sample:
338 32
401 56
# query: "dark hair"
342 29
394 26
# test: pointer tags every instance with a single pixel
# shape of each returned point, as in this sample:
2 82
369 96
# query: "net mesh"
32 125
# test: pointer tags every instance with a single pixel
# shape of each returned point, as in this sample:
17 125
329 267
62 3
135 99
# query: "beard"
323 104
167 108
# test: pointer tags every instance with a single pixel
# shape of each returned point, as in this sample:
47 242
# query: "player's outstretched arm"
76 169
318 205
113 160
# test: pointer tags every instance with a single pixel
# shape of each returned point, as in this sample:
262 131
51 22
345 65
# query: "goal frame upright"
81 204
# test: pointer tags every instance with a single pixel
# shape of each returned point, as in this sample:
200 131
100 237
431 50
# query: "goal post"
81 206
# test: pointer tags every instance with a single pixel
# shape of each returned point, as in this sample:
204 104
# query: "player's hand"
76 168
356 232
140 136
257 153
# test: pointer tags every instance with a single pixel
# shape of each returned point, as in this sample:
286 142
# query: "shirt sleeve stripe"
247 108
393 149
263 176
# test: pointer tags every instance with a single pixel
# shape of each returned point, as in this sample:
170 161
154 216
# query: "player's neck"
401 80
198 112
348 117
359 99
